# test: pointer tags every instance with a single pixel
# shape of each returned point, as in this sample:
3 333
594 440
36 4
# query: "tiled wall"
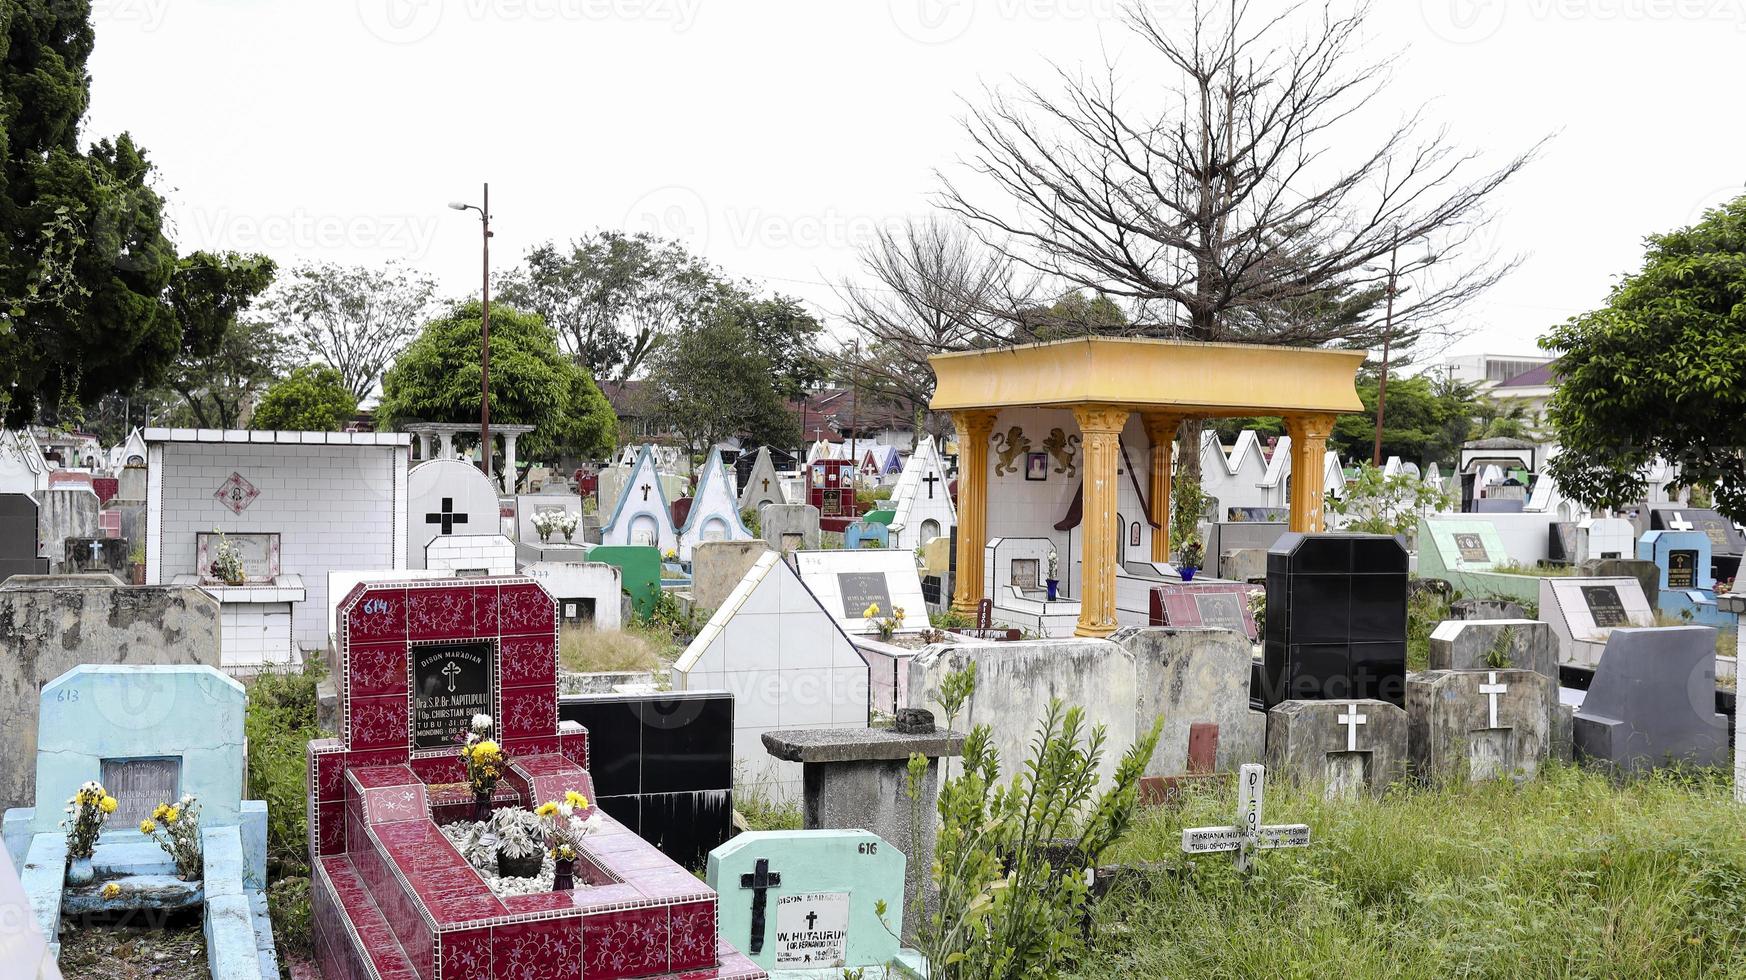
335 507
256 634
467 552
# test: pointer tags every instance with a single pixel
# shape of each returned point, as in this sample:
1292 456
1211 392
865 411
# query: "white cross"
1352 719
1248 834
1679 523
1491 691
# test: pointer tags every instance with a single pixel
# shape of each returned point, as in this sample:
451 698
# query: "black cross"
811 920
447 516
930 480
766 484
645 491
759 883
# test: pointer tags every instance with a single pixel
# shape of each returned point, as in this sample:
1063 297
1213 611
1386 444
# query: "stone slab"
1467 644
825 745
1652 702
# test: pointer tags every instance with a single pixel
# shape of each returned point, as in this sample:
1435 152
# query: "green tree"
313 398
611 297
788 336
1656 373
436 379
92 297
354 319
1426 420
217 389
713 380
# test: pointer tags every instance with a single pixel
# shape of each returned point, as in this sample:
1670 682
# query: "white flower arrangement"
549 522
1054 564
565 825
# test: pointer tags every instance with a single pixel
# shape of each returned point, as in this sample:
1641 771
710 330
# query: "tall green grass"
1565 876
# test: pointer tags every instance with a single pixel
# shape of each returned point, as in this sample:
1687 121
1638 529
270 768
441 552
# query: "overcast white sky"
774 135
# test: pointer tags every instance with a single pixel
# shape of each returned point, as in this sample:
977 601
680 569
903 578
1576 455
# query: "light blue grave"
149 734
1682 568
819 890
866 534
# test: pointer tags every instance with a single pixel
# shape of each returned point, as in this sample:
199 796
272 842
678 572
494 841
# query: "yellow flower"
486 747
564 852
576 799
547 809
108 804
172 815
111 890
146 826
162 808
870 611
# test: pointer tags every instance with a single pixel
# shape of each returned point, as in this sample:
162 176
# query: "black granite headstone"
18 537
1336 619
662 765
1561 543
450 684
861 590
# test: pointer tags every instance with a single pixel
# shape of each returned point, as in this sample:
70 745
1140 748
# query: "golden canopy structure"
1104 380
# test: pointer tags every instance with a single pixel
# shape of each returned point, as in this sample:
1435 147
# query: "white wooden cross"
1679 523
1248 834
1491 690
1352 719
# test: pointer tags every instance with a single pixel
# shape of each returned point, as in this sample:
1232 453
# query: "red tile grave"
392 897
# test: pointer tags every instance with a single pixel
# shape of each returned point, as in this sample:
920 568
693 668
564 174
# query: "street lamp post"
485 326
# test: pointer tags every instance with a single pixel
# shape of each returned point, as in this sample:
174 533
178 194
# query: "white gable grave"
715 510
848 582
921 504
763 486
641 516
446 497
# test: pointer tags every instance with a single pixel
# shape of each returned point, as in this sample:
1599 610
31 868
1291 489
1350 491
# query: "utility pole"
484 330
1387 338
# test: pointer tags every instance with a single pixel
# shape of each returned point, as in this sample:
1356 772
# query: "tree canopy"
713 380
354 319
313 398
436 379
1656 372
93 299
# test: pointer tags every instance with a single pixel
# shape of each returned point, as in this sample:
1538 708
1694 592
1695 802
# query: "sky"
774 137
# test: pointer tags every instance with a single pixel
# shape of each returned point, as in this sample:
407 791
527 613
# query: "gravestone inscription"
862 589
1604 605
1471 548
451 683
1682 569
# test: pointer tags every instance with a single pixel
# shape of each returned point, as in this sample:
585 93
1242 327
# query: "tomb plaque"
450 684
259 553
1024 574
1604 605
1471 547
1682 569
812 930
862 589
1221 609
139 785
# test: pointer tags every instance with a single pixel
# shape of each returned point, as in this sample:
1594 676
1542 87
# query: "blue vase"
1188 573
80 872
1054 588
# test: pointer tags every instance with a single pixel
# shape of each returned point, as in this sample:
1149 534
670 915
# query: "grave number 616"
869 848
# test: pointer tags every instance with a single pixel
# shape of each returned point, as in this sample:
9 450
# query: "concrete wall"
49 626
339 506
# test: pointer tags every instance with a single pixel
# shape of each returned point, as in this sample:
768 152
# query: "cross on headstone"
931 479
1679 523
766 484
1352 719
646 489
759 884
1248 834
450 671
811 920
1491 690
94 550
446 517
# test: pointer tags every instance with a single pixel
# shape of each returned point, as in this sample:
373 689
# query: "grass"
1425 609
280 722
1536 570
760 812
588 650
1565 876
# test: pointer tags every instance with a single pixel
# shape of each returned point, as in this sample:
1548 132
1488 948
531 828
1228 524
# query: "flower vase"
481 805
1188 573
567 536
545 537
564 875
80 871
1054 585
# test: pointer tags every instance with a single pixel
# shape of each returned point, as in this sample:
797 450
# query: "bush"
280 724
289 907
589 650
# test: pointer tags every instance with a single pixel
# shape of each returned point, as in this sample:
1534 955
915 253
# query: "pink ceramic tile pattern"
447 613
693 942
526 608
529 712
529 661
522 748
377 670
382 616
630 943
380 722
466 955
395 804
329 831
549 949
374 777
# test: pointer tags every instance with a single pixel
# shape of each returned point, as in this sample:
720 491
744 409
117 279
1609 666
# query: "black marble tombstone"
18 537
1561 543
663 765
1336 619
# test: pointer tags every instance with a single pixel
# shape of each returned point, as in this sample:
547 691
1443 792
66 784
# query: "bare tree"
355 319
1222 212
937 289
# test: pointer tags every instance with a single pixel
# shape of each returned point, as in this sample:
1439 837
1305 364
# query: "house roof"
1544 376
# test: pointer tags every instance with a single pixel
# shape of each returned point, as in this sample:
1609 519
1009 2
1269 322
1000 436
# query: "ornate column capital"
974 423
1101 418
1161 426
1309 427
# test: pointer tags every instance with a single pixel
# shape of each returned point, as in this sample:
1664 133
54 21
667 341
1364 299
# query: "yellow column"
1101 428
974 428
1161 429
1309 446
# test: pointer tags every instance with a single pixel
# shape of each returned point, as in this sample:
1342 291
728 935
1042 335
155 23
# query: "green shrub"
289 907
280 724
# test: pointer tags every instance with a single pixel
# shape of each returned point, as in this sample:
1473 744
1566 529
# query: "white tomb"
848 582
642 516
22 468
921 504
1605 537
471 555
1237 479
1016 571
587 592
715 510
446 497
530 505
782 651
1585 611
763 485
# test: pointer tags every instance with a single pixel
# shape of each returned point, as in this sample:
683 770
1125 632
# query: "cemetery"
1130 567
